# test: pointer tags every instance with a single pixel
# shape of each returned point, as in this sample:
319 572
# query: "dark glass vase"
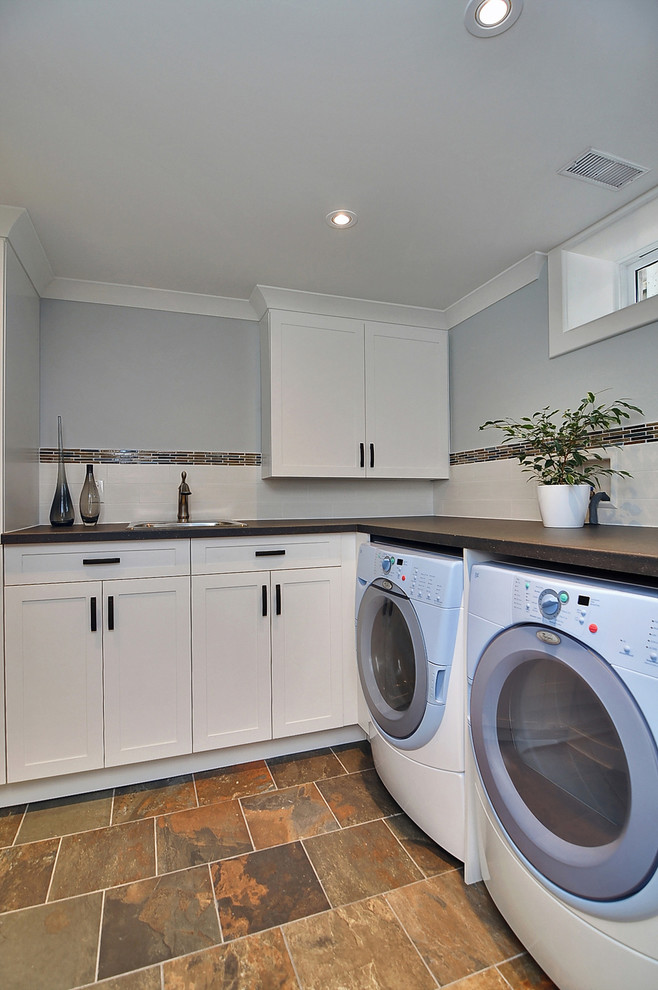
61 511
90 503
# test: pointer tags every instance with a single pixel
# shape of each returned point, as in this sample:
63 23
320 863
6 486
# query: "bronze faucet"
183 495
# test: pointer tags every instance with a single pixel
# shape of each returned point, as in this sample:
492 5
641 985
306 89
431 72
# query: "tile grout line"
333 813
222 940
52 875
20 825
402 926
291 957
98 945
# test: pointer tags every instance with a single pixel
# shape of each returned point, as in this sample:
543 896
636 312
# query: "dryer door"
392 659
568 762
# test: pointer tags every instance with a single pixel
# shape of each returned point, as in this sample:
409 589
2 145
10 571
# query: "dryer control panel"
619 621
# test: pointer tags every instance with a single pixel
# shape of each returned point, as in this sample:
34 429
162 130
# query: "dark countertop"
623 550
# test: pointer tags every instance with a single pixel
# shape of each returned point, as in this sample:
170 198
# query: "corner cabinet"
98 663
267 639
345 398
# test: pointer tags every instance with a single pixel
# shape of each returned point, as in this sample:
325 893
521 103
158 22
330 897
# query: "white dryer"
412 672
563 713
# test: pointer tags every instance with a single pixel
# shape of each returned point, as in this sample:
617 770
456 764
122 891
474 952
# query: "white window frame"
588 294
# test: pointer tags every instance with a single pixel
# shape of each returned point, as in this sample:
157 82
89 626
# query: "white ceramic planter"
563 506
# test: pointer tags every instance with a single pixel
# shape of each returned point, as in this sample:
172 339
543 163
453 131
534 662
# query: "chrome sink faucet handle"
183 496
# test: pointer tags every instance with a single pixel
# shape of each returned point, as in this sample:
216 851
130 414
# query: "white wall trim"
144 297
266 297
17 227
504 284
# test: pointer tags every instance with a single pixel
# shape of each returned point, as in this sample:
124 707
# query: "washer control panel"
435 579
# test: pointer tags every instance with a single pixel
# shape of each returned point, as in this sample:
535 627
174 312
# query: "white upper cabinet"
346 398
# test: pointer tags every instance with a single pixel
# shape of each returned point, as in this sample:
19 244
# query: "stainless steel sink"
203 524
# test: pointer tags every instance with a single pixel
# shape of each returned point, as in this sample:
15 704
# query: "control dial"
549 603
387 563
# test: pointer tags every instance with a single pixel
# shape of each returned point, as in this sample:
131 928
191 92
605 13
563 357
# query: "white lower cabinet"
267 644
109 661
54 680
97 671
267 652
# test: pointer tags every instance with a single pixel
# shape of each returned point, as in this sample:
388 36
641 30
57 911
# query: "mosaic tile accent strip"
88 455
622 436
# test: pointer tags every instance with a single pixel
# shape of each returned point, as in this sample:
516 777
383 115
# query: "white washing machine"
563 713
412 671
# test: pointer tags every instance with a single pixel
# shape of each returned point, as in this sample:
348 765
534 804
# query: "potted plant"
556 447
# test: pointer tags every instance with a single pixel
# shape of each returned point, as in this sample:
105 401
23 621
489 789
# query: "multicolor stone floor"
298 873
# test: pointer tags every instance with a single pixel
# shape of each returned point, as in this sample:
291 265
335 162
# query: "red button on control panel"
593 627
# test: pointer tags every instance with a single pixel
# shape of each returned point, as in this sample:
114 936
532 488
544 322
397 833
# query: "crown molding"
504 284
266 297
144 297
17 227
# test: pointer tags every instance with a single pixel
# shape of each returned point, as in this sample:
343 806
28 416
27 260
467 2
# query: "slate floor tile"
488 979
143 979
156 797
358 947
51 947
25 873
266 888
10 820
257 962
287 814
104 858
359 862
61 816
152 920
358 797
229 783
303 767
201 835
456 928
430 857
354 756
523 973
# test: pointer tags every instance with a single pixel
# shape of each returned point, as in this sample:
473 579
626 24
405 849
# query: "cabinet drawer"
269 553
43 563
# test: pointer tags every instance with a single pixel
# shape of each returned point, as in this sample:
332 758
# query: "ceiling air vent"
603 169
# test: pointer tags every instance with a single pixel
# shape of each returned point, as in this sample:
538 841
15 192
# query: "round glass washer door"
568 762
392 659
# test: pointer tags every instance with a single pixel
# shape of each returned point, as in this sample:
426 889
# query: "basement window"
604 281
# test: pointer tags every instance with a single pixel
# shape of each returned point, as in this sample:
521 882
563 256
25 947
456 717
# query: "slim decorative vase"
90 502
61 511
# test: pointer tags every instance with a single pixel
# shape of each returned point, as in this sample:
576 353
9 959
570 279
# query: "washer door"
568 762
392 659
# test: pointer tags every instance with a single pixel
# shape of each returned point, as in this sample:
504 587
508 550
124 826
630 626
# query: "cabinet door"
147 669
313 404
407 412
54 671
231 645
307 683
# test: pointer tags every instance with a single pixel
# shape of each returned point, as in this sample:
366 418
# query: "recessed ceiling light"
485 18
341 219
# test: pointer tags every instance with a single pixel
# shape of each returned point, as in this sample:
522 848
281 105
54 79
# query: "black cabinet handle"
110 612
264 599
278 599
269 553
94 622
372 455
101 560
362 455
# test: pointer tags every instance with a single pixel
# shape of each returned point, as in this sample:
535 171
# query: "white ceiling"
196 145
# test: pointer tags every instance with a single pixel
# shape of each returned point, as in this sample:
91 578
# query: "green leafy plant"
558 451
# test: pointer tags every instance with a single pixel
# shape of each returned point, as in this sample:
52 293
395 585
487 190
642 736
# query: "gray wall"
137 378
499 366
